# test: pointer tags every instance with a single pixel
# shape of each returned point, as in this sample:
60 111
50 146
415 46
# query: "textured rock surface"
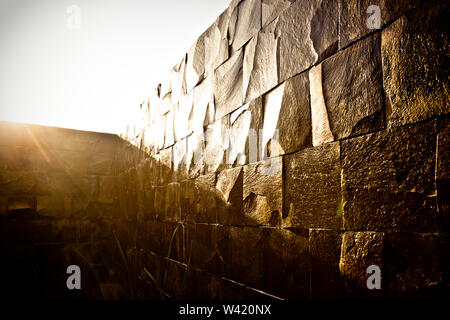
287 120
353 96
262 192
389 180
443 173
313 188
414 59
354 16
271 9
216 144
248 22
321 132
260 63
195 63
308 33
228 85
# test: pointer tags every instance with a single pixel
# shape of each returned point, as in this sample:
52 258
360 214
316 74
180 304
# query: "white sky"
95 77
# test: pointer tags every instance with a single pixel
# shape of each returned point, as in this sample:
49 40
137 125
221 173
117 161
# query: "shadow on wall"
139 230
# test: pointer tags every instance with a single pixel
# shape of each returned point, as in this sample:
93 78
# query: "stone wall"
57 194
288 150
291 148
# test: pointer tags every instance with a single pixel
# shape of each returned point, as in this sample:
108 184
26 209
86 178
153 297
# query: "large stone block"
353 95
414 66
308 33
388 180
260 63
359 251
195 153
183 110
312 188
247 23
287 117
179 160
228 85
203 111
239 131
286 270
246 255
355 15
195 63
263 192
216 43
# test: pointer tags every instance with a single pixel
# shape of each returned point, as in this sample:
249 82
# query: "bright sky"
91 78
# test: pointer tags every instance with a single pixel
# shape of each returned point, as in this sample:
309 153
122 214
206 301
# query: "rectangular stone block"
410 49
263 192
353 96
286 270
312 188
388 180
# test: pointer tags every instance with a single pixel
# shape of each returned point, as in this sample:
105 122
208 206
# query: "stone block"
308 33
353 96
216 144
260 72
414 66
216 44
286 270
388 180
228 85
263 192
195 154
230 191
247 23
312 189
203 109
195 63
272 9
287 117
359 251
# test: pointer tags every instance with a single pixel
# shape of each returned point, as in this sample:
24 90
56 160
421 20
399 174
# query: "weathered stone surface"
204 109
238 134
195 163
179 159
246 255
248 22
443 173
285 259
321 132
183 110
216 144
165 165
230 188
325 252
228 85
216 44
414 66
260 63
169 139
359 251
262 192
312 188
354 16
308 33
208 248
271 9
253 150
178 80
195 63
287 120
107 192
206 205
353 96
388 180
414 263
